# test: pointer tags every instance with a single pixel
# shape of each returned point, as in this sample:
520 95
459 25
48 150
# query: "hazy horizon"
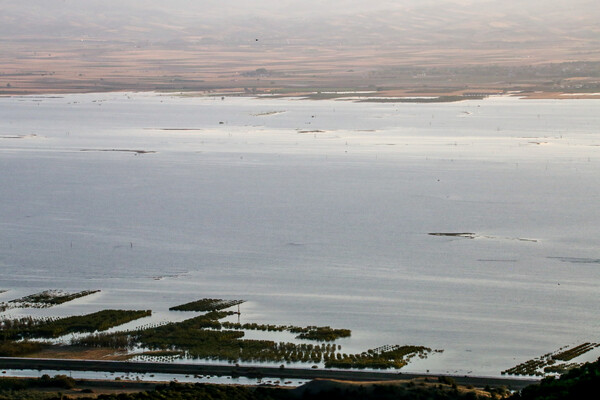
437 21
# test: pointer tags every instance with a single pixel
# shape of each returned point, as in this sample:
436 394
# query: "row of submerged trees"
203 337
318 333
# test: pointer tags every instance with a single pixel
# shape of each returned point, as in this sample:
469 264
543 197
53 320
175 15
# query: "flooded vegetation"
468 235
319 333
28 328
380 358
123 150
203 337
435 99
48 298
552 363
207 305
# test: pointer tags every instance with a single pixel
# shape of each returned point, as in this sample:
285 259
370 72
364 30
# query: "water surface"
317 213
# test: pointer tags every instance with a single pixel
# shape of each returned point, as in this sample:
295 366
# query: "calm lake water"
317 213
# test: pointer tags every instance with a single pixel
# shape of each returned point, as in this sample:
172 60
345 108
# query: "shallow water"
317 213
91 375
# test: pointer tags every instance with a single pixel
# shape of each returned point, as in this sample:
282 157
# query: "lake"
317 213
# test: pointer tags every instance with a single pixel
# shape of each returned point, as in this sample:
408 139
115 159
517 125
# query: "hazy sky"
17 17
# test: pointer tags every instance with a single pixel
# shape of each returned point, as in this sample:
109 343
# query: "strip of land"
246 371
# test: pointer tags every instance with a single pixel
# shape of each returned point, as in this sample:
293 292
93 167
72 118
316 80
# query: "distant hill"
486 25
108 44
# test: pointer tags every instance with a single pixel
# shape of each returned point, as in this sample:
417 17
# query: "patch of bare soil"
80 353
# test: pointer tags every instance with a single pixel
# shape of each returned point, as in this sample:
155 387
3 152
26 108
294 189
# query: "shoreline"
245 371
356 97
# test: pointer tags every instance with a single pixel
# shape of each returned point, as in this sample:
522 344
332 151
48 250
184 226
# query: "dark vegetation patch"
203 337
414 389
267 113
17 136
49 298
123 150
11 348
320 333
574 352
179 129
116 340
380 358
578 383
469 235
207 305
316 90
440 99
561 368
27 328
58 381
31 388
323 96
551 362
578 260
